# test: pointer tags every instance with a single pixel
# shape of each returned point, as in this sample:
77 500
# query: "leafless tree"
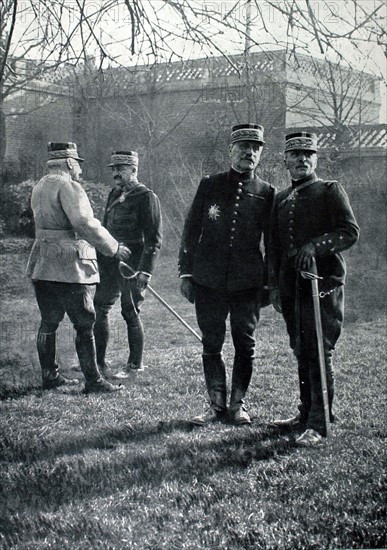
339 98
41 35
339 94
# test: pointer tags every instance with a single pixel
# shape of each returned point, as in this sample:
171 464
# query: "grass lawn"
128 471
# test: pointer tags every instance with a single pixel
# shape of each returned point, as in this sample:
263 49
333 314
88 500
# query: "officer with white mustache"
311 219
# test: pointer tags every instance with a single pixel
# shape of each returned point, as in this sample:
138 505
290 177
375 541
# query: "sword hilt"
126 271
310 276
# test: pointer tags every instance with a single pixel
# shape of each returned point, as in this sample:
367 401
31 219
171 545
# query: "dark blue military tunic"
221 250
133 217
318 212
221 241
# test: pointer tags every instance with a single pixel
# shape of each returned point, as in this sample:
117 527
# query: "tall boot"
46 345
241 376
330 383
316 419
299 421
215 377
85 346
304 385
101 334
136 343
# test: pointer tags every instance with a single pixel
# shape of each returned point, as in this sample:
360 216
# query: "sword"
128 272
313 277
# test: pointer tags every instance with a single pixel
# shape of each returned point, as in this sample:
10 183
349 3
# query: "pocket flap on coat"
86 251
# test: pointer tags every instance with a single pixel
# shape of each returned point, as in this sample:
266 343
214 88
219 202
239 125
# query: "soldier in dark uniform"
222 269
311 219
133 215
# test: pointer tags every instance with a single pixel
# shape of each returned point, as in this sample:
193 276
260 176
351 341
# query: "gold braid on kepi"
247 132
124 157
301 141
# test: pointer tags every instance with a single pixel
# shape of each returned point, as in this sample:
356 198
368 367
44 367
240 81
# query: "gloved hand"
275 299
187 289
304 257
142 280
123 253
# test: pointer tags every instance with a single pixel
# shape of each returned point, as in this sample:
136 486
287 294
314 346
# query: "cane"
128 272
313 277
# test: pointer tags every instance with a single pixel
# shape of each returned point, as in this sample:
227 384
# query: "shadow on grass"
76 478
19 392
110 438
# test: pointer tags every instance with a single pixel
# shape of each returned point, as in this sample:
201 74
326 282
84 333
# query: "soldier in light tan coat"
63 265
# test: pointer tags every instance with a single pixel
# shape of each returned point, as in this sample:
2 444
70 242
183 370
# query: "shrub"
16 217
15 208
2 227
98 194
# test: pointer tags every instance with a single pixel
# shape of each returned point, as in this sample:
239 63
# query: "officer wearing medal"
222 269
312 219
133 216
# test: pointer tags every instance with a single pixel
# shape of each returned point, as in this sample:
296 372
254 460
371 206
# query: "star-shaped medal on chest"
214 212
293 195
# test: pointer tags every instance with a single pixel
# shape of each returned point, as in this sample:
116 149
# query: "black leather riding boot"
215 377
136 342
304 384
46 345
330 383
241 376
85 347
101 334
316 419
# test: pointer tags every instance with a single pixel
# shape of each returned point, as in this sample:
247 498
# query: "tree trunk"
3 140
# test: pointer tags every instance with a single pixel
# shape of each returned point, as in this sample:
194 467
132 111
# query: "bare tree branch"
8 41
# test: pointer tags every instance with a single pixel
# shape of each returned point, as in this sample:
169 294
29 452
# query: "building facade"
178 115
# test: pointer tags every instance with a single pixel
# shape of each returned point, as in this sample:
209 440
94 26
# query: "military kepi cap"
62 151
124 157
301 141
247 132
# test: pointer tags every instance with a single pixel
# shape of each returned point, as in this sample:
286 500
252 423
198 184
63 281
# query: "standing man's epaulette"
328 183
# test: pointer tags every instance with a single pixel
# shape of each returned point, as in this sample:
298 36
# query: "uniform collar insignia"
305 182
301 181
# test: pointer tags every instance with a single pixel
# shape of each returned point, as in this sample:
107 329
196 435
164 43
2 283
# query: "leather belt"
56 234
